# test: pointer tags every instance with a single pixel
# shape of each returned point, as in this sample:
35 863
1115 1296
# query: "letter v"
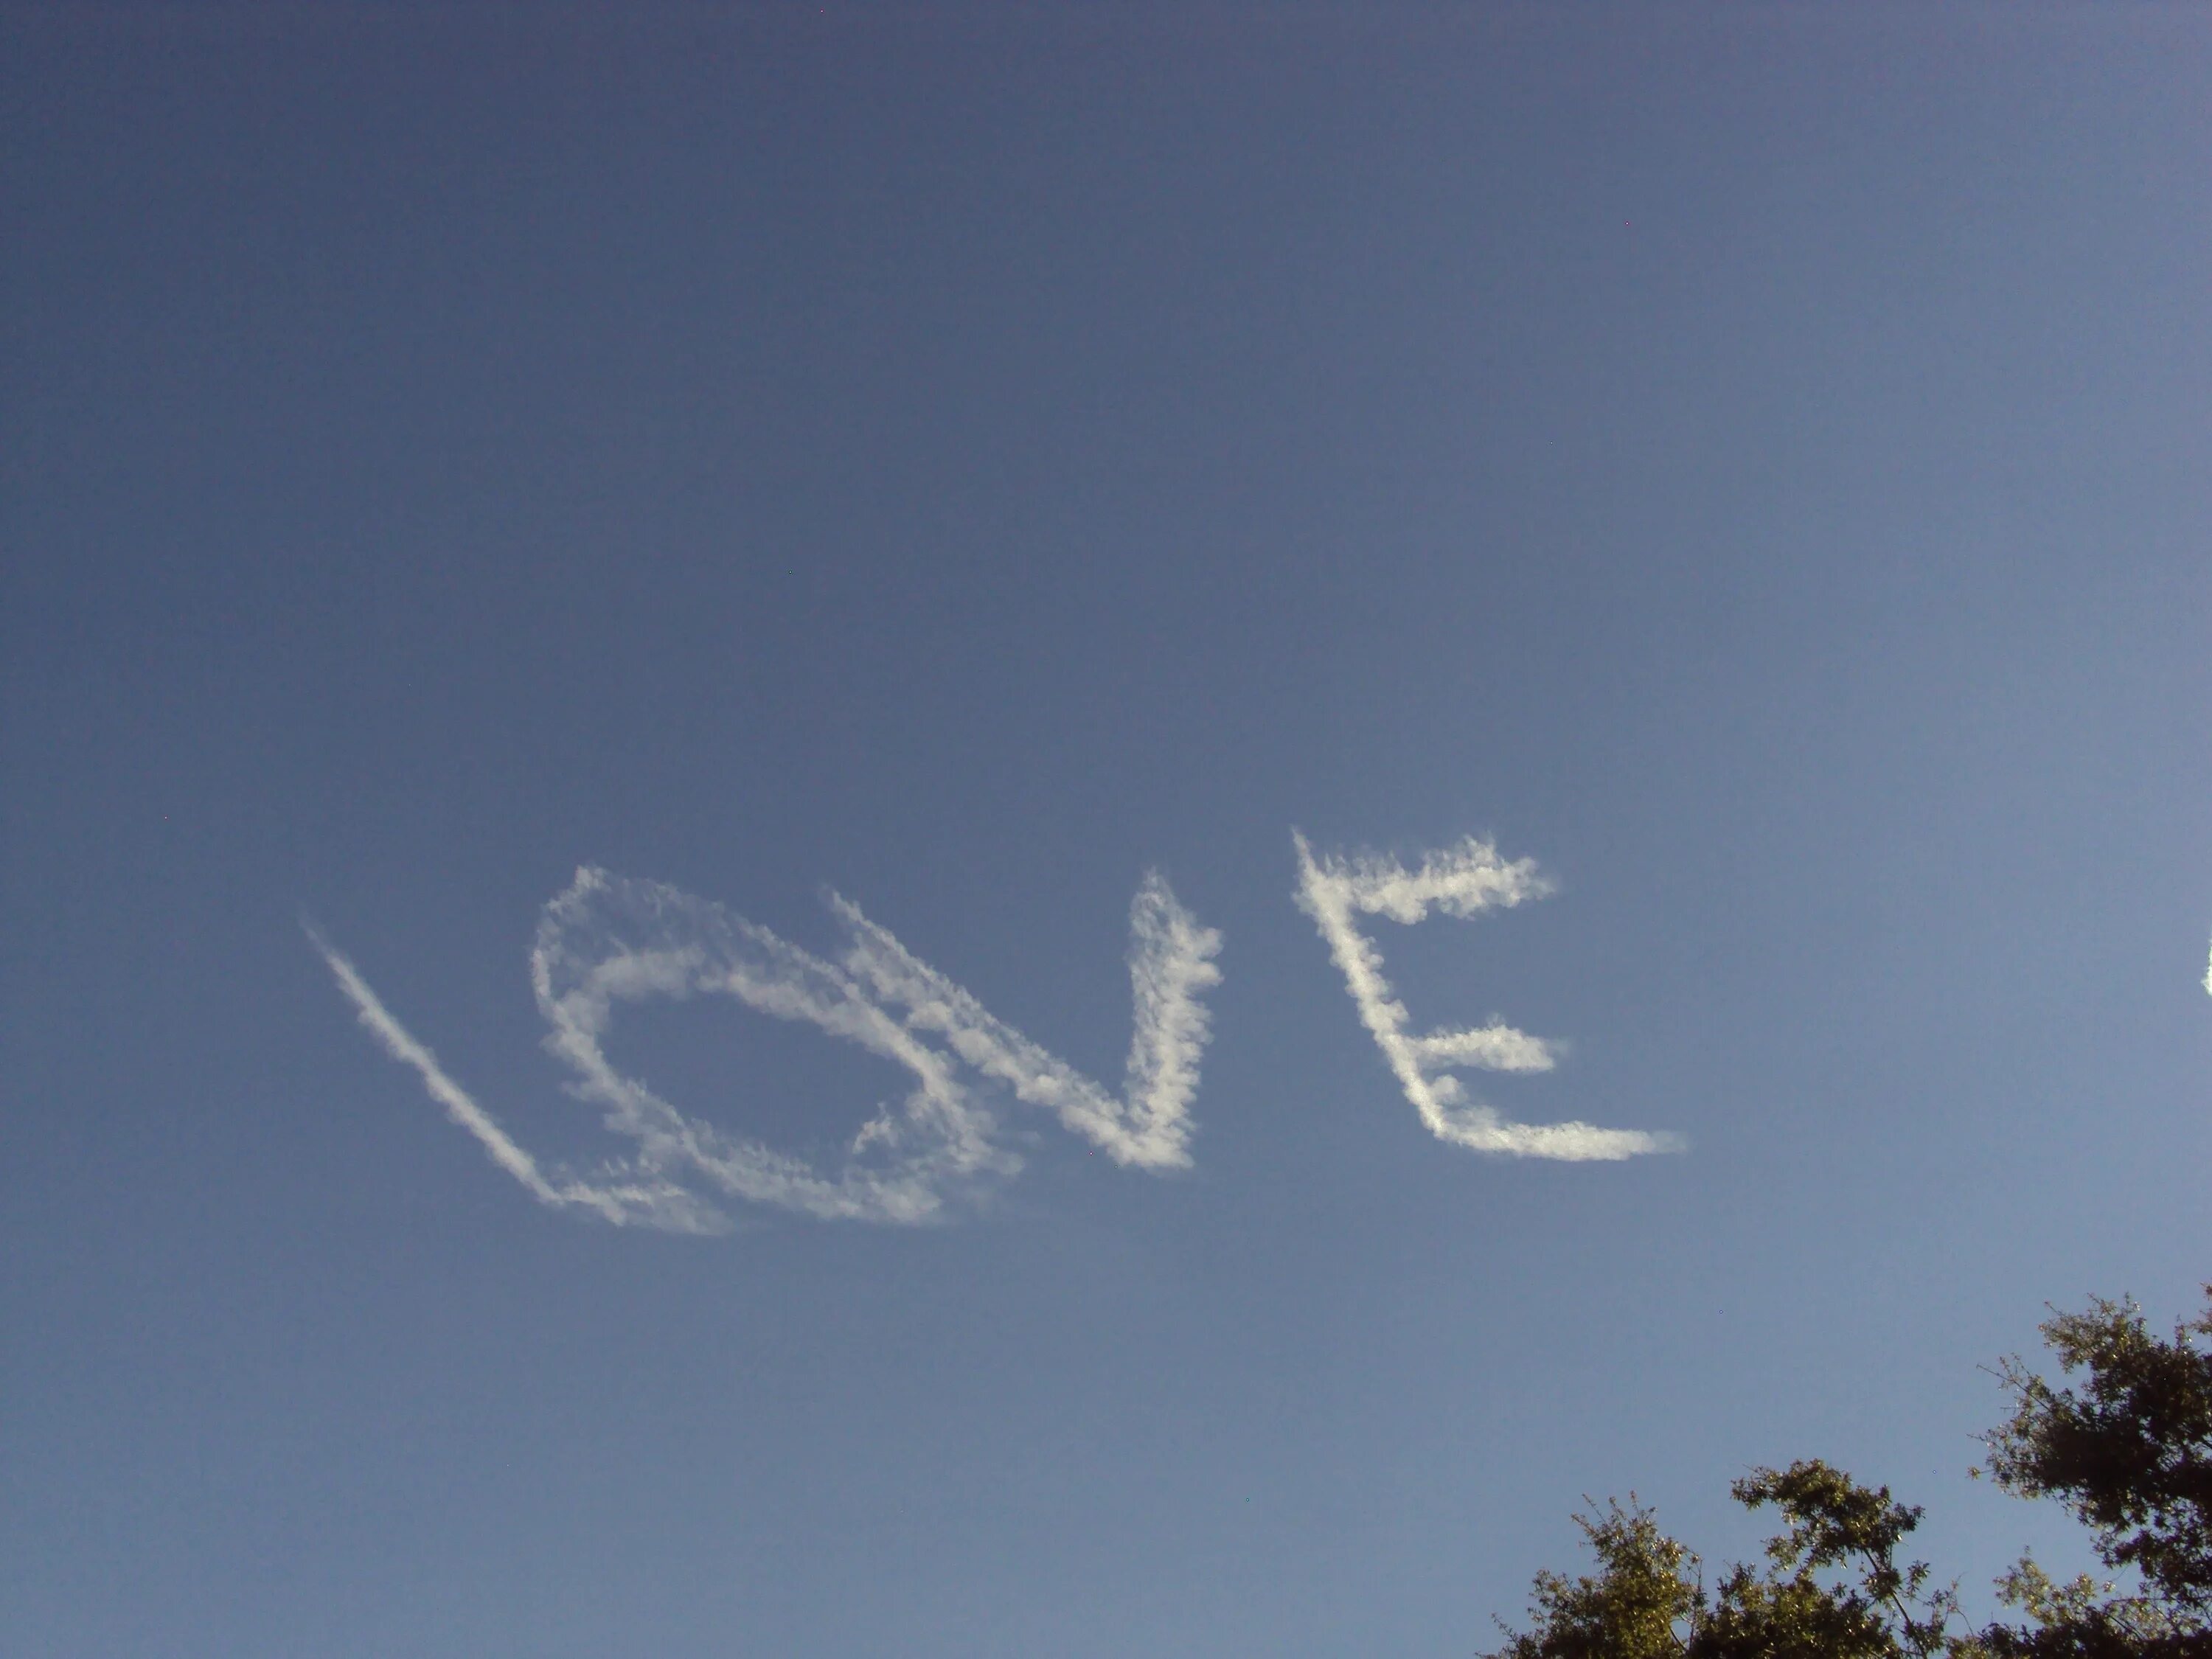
1171 963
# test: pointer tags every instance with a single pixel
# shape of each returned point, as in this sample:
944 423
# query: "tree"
1831 1585
2130 1453
1644 1596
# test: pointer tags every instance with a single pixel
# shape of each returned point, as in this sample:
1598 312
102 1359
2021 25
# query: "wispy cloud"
1463 881
611 939
1171 963
654 1203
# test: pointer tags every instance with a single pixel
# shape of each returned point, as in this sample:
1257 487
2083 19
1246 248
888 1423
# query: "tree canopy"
2128 1451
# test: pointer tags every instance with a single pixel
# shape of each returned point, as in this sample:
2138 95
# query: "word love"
610 941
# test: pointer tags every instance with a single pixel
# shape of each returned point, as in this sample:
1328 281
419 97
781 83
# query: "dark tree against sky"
2129 1451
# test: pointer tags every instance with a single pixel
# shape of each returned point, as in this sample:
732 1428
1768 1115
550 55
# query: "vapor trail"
609 940
652 1203
1169 963
1462 881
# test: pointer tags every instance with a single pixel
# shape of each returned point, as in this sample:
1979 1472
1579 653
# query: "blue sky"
892 489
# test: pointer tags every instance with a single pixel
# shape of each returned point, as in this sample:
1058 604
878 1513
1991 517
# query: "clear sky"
1701 519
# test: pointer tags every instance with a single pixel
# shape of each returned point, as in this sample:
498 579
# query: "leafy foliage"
1641 1602
1831 1585
2130 1452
